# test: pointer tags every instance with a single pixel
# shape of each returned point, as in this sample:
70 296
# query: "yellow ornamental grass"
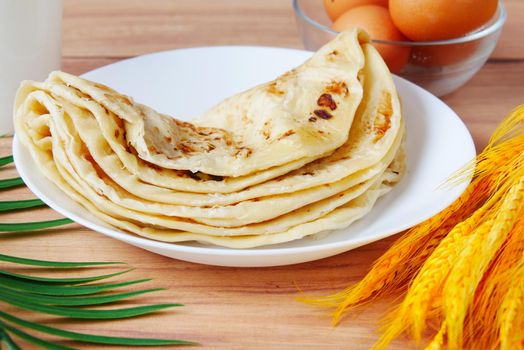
462 271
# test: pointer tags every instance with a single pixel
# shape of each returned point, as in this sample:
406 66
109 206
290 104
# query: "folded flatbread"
325 138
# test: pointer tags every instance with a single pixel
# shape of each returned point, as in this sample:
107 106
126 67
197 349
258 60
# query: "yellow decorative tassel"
462 268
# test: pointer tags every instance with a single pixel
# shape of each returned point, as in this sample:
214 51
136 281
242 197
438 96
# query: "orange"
427 20
335 8
376 21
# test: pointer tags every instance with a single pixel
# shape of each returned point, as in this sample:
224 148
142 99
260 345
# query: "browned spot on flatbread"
288 75
338 87
243 152
102 87
45 132
383 119
266 130
272 89
125 100
115 98
286 134
80 93
119 122
185 148
321 113
326 100
333 55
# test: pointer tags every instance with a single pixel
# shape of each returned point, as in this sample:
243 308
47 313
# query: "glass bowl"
439 66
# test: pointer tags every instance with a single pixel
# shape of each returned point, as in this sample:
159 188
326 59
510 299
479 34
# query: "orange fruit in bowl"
376 21
335 8
428 20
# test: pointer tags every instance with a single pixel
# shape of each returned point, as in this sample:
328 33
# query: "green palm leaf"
85 313
73 280
8 183
76 301
22 204
36 225
11 345
39 288
91 338
6 160
37 341
47 263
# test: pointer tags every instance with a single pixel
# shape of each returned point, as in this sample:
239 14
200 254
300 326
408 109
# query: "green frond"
74 280
61 264
76 301
85 313
91 338
31 226
34 340
21 204
5 338
58 290
6 160
9 183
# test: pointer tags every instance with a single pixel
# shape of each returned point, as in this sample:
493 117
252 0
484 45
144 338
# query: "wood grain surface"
233 308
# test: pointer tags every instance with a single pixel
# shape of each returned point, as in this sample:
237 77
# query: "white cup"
30 43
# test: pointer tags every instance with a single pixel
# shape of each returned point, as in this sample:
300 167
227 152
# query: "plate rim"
217 251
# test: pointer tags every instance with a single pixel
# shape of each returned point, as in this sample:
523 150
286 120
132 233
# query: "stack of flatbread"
308 152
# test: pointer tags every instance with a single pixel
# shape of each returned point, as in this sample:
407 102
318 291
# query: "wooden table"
233 308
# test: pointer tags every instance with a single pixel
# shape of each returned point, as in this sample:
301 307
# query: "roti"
250 171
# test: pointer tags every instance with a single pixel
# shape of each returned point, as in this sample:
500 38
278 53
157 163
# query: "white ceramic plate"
186 82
